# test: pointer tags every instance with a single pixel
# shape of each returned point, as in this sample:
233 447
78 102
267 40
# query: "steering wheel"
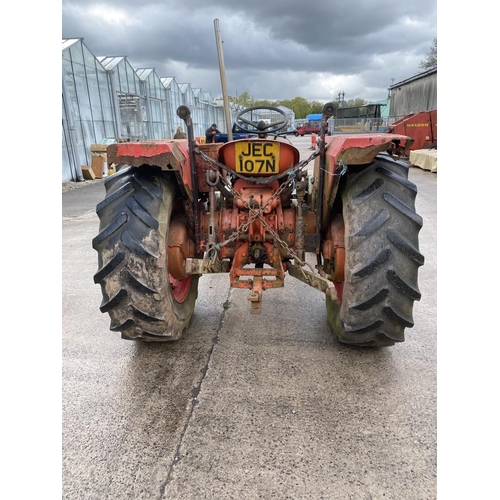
262 128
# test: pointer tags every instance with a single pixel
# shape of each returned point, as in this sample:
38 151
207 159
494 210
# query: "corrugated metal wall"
414 95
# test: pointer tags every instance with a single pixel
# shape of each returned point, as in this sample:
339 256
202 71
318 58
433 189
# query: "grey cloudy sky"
273 49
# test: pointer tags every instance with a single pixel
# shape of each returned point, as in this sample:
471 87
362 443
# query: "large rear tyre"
381 256
142 299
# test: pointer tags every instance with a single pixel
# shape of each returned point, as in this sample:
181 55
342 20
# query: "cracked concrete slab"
243 406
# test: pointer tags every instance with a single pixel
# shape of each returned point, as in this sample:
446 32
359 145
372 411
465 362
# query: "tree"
354 103
300 106
316 107
431 58
263 102
245 99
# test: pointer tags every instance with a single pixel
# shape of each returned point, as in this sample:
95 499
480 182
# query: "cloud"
274 50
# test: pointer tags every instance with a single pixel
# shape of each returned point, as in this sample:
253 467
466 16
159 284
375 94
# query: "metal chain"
254 214
212 163
342 172
257 214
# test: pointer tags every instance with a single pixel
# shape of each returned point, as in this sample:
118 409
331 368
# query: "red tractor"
175 210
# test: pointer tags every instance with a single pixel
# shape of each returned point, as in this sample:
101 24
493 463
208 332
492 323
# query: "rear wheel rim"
180 288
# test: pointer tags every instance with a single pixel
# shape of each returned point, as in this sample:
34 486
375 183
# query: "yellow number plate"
257 158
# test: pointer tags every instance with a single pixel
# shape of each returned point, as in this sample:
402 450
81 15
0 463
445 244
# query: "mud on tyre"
142 299
381 256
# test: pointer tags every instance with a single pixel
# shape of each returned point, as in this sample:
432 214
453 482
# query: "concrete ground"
244 406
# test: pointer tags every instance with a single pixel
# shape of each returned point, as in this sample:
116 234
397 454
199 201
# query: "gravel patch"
69 186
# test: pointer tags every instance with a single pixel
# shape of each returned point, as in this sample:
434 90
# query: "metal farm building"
413 95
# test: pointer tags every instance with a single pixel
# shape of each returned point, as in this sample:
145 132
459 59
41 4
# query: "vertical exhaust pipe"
184 113
328 111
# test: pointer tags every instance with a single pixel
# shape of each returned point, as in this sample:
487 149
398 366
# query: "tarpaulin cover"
424 158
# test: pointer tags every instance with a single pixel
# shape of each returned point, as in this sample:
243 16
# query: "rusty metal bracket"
255 296
206 266
312 279
212 179
300 190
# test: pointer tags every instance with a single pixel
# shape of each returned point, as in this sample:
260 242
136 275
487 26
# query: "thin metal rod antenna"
223 81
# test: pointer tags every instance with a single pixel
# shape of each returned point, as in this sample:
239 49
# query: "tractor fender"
169 155
342 151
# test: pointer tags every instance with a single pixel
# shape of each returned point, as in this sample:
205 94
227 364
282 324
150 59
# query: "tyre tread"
382 256
132 251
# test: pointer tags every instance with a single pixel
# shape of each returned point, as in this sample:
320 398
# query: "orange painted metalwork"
288 154
358 149
242 258
166 154
180 247
333 249
210 150
335 237
260 195
147 149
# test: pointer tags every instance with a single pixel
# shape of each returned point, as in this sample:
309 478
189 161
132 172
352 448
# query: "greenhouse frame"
106 100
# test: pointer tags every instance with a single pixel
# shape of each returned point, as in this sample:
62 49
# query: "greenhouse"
106 100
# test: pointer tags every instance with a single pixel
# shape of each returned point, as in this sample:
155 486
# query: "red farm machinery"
421 127
176 210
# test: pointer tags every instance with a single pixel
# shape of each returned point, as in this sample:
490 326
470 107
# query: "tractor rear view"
175 210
